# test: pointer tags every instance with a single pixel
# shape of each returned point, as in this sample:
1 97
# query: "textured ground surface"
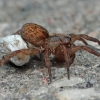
64 16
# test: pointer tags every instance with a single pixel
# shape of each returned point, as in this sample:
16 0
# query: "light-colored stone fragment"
78 94
12 43
65 82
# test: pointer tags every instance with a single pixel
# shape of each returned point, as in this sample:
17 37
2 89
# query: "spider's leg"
72 34
24 51
67 59
84 36
72 57
47 61
77 37
59 54
90 50
17 32
89 38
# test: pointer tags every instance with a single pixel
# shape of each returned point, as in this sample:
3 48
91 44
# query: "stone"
78 94
41 90
12 43
65 82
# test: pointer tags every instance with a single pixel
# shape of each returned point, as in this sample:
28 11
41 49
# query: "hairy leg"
90 50
59 54
90 38
82 37
67 59
47 61
24 51
72 57
18 32
77 37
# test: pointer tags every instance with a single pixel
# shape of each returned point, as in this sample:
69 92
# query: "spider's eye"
68 38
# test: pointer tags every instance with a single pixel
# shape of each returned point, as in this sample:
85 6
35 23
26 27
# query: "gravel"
62 16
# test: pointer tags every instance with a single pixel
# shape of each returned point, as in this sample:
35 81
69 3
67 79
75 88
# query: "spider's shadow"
34 60
25 67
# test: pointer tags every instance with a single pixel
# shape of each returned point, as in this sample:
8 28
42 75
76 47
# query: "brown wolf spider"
60 45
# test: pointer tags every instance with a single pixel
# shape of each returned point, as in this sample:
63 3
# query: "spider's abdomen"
34 34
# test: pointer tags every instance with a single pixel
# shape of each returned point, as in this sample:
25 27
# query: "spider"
60 45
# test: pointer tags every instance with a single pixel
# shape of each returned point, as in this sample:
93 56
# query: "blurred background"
63 16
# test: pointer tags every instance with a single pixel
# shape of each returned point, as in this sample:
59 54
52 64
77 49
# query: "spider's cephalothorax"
61 45
53 42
